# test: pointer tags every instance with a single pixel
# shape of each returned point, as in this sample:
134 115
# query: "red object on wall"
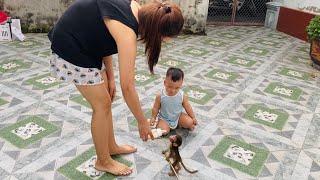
3 17
294 22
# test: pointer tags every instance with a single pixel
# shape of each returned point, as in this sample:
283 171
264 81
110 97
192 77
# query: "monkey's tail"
189 171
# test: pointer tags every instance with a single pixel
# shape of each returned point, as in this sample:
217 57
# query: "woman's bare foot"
114 167
124 149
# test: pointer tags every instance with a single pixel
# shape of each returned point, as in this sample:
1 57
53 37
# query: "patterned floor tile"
297 60
293 74
281 122
256 51
194 52
28 44
14 101
267 42
308 165
313 133
302 96
218 76
228 151
276 36
82 167
240 155
16 68
4 51
27 131
167 61
39 84
12 64
144 78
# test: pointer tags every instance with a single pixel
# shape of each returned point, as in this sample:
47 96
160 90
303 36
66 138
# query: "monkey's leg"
178 167
173 171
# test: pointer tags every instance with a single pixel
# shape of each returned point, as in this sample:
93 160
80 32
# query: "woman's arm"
127 46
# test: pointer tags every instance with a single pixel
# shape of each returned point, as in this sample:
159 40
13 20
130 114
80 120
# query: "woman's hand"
144 130
112 89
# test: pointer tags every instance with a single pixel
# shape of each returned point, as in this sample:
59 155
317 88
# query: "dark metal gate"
237 12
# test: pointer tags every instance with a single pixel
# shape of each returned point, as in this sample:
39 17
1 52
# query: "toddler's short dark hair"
175 74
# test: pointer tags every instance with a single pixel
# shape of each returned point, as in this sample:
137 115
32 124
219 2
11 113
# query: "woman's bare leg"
100 102
114 148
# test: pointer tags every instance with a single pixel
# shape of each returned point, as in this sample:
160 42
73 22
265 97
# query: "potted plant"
313 30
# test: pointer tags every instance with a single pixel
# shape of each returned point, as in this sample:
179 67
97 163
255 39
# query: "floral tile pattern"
239 155
82 167
284 91
27 131
270 117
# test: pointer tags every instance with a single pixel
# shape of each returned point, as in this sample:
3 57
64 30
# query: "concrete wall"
35 15
311 6
40 15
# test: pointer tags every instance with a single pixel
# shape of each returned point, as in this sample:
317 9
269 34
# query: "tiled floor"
251 88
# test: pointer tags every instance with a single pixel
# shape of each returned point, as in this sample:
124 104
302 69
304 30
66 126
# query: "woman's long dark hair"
158 20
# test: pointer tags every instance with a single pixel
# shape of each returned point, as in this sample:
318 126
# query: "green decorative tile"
240 155
167 44
3 102
27 131
270 117
276 36
43 54
242 31
229 35
304 49
169 62
143 78
215 43
222 75
13 65
26 44
268 43
256 51
241 61
80 100
295 74
82 167
198 95
292 93
196 52
299 59
43 82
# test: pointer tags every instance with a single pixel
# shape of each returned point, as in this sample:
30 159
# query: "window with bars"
237 11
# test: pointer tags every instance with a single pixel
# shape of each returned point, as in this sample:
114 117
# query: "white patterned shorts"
68 72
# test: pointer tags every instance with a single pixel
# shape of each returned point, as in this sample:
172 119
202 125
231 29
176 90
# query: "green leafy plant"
313 29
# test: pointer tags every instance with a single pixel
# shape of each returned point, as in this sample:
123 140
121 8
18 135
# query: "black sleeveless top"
81 37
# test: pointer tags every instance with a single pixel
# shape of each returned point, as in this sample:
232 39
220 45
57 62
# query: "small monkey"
172 155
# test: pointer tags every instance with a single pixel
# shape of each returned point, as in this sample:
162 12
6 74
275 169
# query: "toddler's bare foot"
113 167
124 149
